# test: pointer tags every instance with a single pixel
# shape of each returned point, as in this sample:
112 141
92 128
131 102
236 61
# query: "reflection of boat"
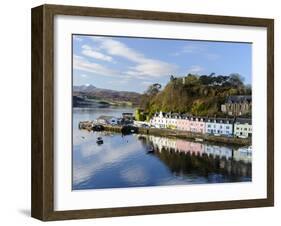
98 128
99 140
129 130
151 151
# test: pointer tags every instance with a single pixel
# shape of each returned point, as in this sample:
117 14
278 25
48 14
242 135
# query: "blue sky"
132 64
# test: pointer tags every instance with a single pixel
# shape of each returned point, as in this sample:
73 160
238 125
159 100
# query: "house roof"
239 99
244 120
220 120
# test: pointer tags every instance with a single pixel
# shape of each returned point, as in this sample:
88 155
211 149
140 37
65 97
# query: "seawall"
184 135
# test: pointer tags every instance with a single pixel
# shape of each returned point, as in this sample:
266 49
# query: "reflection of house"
219 151
243 127
197 124
237 105
162 142
105 119
223 126
189 147
243 154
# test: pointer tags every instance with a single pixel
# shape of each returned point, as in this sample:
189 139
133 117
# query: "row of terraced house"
239 127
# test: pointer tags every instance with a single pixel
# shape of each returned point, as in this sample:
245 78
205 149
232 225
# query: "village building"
237 105
221 126
159 120
183 123
172 120
128 118
197 124
243 127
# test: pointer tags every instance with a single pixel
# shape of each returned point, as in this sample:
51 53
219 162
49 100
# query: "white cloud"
146 83
195 69
80 63
134 174
193 48
77 38
144 66
88 51
198 49
212 56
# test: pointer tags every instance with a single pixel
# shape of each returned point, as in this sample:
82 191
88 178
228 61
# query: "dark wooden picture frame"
42 203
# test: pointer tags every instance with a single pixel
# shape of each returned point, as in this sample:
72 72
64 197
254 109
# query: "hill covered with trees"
194 94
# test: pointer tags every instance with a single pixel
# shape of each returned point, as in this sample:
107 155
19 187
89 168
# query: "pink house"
197 124
183 123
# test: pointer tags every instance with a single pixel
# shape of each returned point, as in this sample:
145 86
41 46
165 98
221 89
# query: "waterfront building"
221 126
172 120
159 120
197 124
183 123
237 105
243 127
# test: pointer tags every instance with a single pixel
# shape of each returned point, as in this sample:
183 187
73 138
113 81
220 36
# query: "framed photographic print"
141 112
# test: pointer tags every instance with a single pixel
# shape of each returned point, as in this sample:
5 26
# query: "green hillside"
198 95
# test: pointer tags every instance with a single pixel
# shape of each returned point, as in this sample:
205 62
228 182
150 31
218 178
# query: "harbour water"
140 160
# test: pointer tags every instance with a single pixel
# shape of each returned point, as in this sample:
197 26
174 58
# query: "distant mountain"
112 97
84 88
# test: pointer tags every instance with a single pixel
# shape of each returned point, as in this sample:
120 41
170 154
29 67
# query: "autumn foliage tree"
198 95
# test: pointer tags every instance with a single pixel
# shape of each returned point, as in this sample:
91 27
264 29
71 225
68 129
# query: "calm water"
138 160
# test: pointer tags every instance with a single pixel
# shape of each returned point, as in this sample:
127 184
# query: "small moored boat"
99 140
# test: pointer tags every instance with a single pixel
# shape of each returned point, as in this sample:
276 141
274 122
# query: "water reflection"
137 160
186 157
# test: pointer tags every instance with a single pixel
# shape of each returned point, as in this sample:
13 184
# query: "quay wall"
184 135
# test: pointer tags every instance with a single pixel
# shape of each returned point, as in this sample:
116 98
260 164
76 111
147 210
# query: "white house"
172 120
243 127
222 126
159 120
